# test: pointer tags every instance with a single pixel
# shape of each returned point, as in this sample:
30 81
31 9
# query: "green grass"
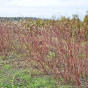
13 78
43 82
24 80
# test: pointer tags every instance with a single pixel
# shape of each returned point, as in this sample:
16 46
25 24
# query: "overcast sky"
43 8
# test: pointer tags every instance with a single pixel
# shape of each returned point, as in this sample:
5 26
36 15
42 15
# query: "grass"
13 78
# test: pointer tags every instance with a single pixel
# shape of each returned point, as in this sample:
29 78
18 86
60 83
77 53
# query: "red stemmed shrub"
57 47
57 53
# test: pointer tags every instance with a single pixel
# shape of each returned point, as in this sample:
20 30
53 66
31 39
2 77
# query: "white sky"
43 8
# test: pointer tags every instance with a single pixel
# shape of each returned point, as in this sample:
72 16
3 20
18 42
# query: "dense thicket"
58 47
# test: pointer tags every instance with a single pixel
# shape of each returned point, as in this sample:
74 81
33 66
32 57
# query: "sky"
43 8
